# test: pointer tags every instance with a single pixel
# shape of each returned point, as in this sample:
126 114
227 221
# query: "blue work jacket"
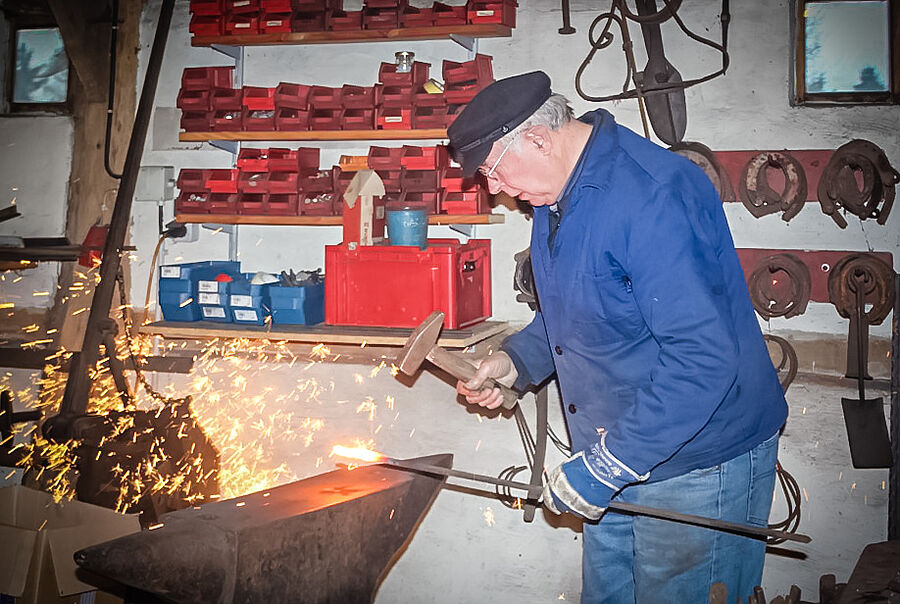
644 313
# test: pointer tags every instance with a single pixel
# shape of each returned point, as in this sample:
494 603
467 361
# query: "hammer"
422 344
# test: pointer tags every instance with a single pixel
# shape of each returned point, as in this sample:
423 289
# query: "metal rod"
615 506
78 386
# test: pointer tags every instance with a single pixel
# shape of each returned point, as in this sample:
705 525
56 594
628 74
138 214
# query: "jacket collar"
594 166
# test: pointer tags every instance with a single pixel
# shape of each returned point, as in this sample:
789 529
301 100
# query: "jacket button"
572 408
558 350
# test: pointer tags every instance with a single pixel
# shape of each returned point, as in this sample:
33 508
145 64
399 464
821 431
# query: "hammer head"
420 343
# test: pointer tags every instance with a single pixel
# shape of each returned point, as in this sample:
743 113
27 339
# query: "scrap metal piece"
877 278
327 538
760 199
523 279
780 286
872 196
788 364
703 156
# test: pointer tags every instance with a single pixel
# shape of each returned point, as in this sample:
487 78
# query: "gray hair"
553 114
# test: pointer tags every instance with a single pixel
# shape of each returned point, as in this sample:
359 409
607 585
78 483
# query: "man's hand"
497 366
572 487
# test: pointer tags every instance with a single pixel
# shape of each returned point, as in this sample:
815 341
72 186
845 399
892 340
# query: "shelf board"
314 135
474 30
315 334
324 220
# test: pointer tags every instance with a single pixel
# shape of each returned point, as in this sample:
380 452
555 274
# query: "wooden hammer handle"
463 370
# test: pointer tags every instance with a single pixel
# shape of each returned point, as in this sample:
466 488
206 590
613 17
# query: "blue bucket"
407 225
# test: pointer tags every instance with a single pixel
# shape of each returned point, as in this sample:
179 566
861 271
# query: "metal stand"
540 448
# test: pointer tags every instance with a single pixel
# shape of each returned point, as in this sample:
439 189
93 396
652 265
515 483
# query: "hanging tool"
422 344
668 110
567 20
870 445
838 186
535 492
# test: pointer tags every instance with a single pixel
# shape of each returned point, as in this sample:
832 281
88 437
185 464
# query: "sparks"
359 453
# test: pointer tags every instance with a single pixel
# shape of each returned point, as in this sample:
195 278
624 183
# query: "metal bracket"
232 147
232 231
236 53
466 229
468 42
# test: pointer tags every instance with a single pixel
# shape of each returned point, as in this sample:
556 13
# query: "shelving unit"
458 33
314 135
438 219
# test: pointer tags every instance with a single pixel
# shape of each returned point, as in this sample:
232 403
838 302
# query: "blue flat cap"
494 112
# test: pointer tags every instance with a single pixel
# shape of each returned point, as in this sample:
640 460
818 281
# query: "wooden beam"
86 38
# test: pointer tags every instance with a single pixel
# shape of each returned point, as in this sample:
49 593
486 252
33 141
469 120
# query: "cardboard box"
363 210
39 538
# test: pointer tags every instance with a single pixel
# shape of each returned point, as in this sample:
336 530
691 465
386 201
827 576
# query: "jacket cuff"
523 380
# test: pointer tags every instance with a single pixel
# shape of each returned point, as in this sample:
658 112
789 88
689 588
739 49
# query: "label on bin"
209 298
208 286
214 312
484 13
170 272
379 212
241 301
245 315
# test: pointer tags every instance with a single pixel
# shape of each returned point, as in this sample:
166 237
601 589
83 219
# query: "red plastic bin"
281 204
360 97
425 158
250 159
502 12
385 158
258 98
291 119
237 7
241 24
359 119
196 121
192 180
317 204
292 96
418 74
412 16
478 70
204 78
308 21
192 202
429 117
394 118
206 7
381 18
272 23
341 20
222 181
399 286
206 25
251 203
444 14
276 6
227 99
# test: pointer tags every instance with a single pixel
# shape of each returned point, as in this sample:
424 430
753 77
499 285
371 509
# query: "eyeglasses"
490 173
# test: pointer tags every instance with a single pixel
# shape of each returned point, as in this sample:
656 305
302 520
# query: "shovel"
870 445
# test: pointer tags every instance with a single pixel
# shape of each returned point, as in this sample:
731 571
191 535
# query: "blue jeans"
637 559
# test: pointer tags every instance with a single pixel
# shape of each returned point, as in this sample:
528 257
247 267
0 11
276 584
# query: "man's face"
522 171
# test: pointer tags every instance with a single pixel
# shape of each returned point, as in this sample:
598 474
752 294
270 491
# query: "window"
846 52
39 75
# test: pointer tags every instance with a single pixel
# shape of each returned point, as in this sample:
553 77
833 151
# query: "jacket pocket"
762 480
604 304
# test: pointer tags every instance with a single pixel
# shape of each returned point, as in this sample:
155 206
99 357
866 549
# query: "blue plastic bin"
195 281
304 305
248 303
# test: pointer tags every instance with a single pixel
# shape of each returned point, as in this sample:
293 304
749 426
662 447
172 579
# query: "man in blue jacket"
669 394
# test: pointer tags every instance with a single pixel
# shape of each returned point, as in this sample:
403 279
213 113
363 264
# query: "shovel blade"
870 445
667 111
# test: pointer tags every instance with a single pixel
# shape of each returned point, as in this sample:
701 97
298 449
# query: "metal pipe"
615 506
78 386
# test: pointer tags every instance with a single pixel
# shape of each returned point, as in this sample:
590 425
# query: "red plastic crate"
292 96
308 21
458 94
429 117
320 181
206 7
454 182
418 74
425 158
478 70
206 25
253 182
237 7
276 6
222 203
503 12
291 119
399 286
307 160
359 119
385 158
341 20
271 23
251 203
258 98
325 97
317 204
395 118
381 18
421 98
391 180
309 5
396 96
282 182
326 119
192 202
360 97
222 181
281 204
474 201
241 24
193 100
204 78
420 180
416 17
192 180
226 99
445 14
430 199
281 160
259 121
250 159
196 121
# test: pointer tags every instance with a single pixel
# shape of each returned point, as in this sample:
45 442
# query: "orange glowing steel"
357 453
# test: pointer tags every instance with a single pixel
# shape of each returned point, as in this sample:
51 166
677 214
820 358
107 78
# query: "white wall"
35 160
